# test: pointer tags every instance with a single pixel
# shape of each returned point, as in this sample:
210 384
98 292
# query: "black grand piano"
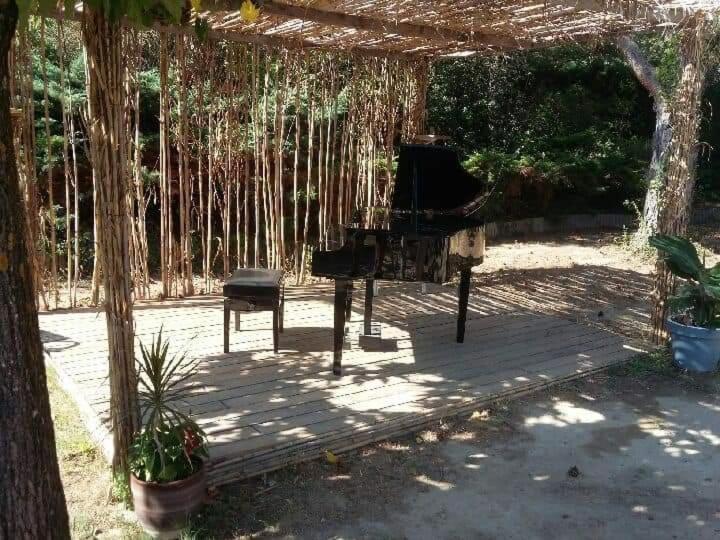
431 232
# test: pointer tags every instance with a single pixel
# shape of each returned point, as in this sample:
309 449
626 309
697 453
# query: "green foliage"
657 362
167 454
120 489
558 130
170 446
663 52
708 176
697 301
86 242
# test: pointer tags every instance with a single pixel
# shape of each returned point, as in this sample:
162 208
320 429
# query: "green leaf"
169 473
202 29
680 256
174 9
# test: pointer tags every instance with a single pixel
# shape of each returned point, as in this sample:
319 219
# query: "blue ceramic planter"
695 349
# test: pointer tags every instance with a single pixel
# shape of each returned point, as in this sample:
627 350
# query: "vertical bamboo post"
296 165
66 167
103 41
49 158
685 116
165 236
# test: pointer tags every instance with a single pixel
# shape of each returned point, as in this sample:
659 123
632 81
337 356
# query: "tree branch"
642 68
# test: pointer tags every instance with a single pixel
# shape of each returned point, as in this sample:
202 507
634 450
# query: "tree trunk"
103 41
647 76
32 503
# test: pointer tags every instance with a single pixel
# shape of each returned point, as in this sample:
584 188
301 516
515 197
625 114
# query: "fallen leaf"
331 458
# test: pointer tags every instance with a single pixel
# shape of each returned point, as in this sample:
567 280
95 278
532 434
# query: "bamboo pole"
267 189
66 167
49 158
184 183
296 166
685 115
103 41
247 161
256 115
76 200
20 61
308 184
165 232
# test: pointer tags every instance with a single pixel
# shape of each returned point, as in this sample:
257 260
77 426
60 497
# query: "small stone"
573 472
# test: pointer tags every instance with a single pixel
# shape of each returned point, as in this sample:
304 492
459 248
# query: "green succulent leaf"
171 445
680 256
698 299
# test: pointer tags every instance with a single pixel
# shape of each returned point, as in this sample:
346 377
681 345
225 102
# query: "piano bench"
253 289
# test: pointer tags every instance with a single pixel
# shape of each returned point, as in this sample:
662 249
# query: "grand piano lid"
434 177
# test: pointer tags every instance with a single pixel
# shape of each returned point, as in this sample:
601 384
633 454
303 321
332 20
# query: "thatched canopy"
442 27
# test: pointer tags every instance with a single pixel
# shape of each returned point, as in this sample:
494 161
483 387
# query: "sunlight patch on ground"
670 435
442 486
566 413
706 434
711 406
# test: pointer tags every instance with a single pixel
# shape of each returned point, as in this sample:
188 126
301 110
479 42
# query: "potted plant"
694 322
167 478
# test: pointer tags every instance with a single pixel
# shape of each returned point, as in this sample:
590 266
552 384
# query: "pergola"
440 28
411 30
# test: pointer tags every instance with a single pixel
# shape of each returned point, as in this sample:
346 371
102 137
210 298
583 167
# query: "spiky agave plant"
170 446
697 301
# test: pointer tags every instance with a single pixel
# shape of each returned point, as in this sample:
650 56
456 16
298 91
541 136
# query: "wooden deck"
262 410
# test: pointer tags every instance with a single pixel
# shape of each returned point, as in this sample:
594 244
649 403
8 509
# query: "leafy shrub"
697 301
170 446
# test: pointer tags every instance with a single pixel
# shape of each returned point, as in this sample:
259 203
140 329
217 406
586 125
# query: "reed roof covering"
442 27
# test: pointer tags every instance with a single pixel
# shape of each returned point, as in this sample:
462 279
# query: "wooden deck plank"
262 410
371 403
245 381
455 367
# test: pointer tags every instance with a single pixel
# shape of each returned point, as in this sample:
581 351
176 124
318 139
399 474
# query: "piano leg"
367 320
348 302
342 290
463 294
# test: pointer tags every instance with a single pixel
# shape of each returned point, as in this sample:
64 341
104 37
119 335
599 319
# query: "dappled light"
564 414
262 410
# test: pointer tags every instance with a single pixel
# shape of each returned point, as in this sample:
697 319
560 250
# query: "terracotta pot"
163 509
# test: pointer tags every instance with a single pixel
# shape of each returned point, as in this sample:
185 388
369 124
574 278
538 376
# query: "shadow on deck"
525 330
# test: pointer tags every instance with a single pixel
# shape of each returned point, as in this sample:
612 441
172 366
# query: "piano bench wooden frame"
274 302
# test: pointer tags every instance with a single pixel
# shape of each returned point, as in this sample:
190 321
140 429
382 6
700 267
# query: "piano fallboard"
430 252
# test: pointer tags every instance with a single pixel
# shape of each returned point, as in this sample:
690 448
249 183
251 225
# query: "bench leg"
226 329
342 291
463 293
367 321
237 321
276 324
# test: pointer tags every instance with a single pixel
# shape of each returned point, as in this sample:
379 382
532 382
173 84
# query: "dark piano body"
431 233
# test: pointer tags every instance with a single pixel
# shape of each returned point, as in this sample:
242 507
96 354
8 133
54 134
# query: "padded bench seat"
253 289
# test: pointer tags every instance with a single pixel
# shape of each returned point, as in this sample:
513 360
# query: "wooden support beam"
371 24
265 40
282 42
362 22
